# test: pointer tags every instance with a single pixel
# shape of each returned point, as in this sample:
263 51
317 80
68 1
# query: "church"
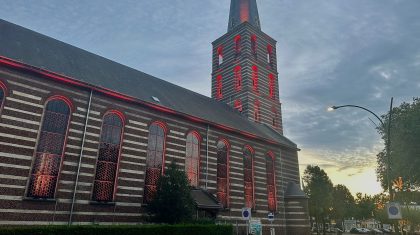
84 140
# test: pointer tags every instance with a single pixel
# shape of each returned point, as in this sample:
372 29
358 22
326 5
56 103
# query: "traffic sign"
270 217
394 210
246 213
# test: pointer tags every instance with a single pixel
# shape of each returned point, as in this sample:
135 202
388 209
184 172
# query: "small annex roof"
42 52
293 190
205 200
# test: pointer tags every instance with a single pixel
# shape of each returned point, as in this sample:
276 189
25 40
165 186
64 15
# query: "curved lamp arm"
356 106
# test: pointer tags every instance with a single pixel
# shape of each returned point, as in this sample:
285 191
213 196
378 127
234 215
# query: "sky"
330 52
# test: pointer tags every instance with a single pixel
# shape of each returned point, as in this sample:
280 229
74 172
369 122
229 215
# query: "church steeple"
241 11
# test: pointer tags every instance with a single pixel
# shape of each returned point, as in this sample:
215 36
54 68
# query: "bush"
179 229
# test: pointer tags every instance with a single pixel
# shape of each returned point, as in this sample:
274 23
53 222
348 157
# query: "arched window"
238 105
192 158
154 160
257 111
219 86
237 45
238 78
254 45
271 185
255 78
50 149
248 177
270 55
108 158
2 95
220 55
223 172
271 86
275 116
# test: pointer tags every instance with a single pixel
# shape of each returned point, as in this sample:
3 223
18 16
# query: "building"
84 139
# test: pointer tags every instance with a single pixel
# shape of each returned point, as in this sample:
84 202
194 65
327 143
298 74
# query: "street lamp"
387 143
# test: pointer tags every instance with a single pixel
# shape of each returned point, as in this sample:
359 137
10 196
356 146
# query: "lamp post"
388 140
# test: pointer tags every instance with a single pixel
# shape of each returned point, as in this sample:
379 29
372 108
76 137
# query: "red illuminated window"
257 111
220 55
219 86
108 158
270 55
255 78
271 86
192 158
154 160
254 45
271 186
248 177
223 172
238 105
2 94
275 117
238 45
49 152
238 78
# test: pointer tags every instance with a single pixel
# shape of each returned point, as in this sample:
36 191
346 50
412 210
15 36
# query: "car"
364 230
377 231
355 231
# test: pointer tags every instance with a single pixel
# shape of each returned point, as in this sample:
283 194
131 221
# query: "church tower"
244 72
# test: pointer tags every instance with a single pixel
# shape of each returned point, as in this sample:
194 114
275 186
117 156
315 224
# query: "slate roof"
34 49
294 191
205 200
241 11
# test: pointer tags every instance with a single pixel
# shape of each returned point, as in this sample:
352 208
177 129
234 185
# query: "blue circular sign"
393 210
246 214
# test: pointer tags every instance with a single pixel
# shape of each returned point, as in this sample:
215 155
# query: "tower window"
271 86
238 78
275 117
255 78
50 149
192 158
223 172
238 105
254 45
270 55
108 158
271 186
220 55
248 177
219 86
154 160
237 45
257 111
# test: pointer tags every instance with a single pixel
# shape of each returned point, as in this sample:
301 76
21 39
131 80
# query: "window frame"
237 44
252 152
220 57
255 75
70 106
271 156
227 145
257 111
162 171
219 87
198 136
271 86
123 121
238 77
3 88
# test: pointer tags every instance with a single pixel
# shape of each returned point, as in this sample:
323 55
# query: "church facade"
83 140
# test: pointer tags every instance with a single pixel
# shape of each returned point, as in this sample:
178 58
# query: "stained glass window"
49 152
192 158
154 160
248 178
271 186
223 173
108 158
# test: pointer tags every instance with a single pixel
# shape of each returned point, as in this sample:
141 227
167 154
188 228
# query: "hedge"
180 229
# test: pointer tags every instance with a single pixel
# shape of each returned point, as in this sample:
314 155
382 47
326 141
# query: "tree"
343 203
365 206
404 148
319 188
173 202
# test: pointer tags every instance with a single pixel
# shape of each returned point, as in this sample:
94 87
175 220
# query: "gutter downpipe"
207 154
80 159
